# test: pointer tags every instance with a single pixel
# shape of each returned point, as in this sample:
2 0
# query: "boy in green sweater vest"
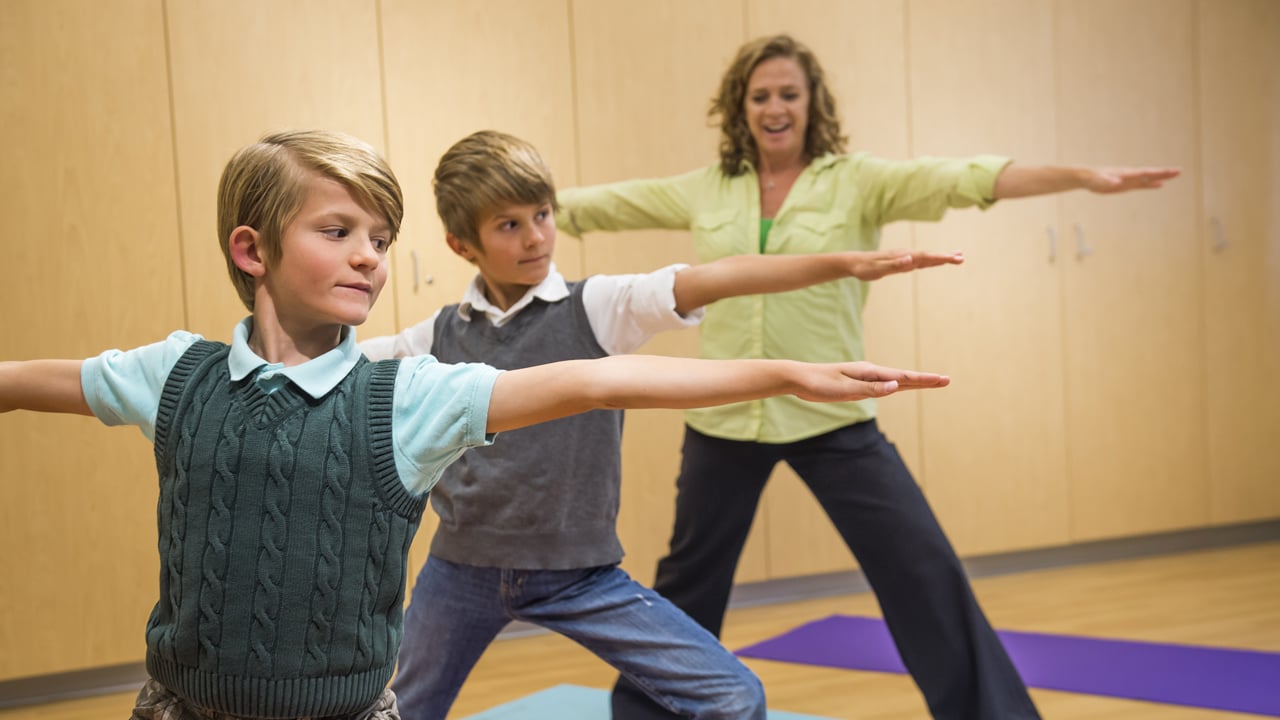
293 471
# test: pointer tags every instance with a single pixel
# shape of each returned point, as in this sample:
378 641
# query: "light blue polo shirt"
439 410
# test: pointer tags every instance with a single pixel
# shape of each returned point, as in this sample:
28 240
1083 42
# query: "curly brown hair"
822 135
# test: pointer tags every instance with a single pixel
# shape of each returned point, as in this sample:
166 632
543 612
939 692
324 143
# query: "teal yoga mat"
571 702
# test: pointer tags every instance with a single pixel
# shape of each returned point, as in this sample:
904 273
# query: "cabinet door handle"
413 258
1053 243
1082 248
1219 235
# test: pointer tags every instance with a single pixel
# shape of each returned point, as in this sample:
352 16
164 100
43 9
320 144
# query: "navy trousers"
858 477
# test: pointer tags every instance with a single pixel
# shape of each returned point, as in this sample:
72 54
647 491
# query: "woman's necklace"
771 179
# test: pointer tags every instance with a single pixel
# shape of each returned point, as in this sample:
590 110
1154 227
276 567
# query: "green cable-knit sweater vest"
284 540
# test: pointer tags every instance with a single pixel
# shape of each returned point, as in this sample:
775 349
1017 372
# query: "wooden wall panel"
1134 372
91 248
1240 252
644 76
121 116
240 69
450 71
982 81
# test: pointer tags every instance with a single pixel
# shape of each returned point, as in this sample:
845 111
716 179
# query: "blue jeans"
457 610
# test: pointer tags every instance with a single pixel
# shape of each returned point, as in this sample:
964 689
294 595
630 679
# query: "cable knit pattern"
179 497
333 500
216 560
379 531
275 535
284 539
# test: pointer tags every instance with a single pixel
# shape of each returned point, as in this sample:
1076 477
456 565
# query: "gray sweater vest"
284 538
543 497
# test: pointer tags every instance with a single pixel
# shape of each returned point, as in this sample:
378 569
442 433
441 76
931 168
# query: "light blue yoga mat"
571 702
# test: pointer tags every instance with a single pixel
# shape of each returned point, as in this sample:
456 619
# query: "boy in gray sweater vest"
528 527
293 471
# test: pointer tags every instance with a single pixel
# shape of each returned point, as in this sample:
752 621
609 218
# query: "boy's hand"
877 264
860 380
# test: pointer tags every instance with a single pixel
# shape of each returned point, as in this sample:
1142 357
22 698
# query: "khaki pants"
157 702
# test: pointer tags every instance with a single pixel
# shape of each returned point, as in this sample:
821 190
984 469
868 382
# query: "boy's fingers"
871 372
935 381
926 259
899 262
923 379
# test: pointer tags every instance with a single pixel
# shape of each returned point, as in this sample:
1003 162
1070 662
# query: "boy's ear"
246 251
460 248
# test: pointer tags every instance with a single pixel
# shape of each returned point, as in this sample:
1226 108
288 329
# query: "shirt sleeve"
626 310
656 203
416 340
124 387
925 188
439 411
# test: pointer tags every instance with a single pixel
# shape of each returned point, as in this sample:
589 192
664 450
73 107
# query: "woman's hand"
1116 180
1017 180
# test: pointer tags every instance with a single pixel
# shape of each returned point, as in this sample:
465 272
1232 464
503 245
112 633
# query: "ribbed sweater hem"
258 697
486 547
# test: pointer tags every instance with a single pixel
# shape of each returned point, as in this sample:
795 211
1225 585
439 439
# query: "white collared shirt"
624 312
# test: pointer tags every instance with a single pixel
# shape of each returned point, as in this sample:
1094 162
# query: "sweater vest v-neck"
544 497
284 538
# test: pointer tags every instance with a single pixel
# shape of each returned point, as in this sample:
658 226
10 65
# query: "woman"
784 185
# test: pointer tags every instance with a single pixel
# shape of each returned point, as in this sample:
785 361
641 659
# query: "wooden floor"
1227 597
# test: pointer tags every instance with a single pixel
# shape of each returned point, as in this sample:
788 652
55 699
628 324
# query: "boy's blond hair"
265 184
483 173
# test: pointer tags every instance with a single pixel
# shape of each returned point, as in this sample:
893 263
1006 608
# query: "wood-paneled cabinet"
92 262
1135 397
240 69
643 74
1116 360
1239 51
1072 416
982 82
514 76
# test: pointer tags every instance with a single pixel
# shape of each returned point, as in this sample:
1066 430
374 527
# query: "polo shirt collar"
316 377
552 289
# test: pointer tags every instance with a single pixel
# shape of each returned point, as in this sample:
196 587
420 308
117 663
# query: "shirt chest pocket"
719 234
810 233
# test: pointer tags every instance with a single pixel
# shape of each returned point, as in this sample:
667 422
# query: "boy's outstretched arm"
547 392
42 386
736 275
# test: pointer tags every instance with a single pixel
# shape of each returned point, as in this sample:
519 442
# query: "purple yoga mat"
1223 679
